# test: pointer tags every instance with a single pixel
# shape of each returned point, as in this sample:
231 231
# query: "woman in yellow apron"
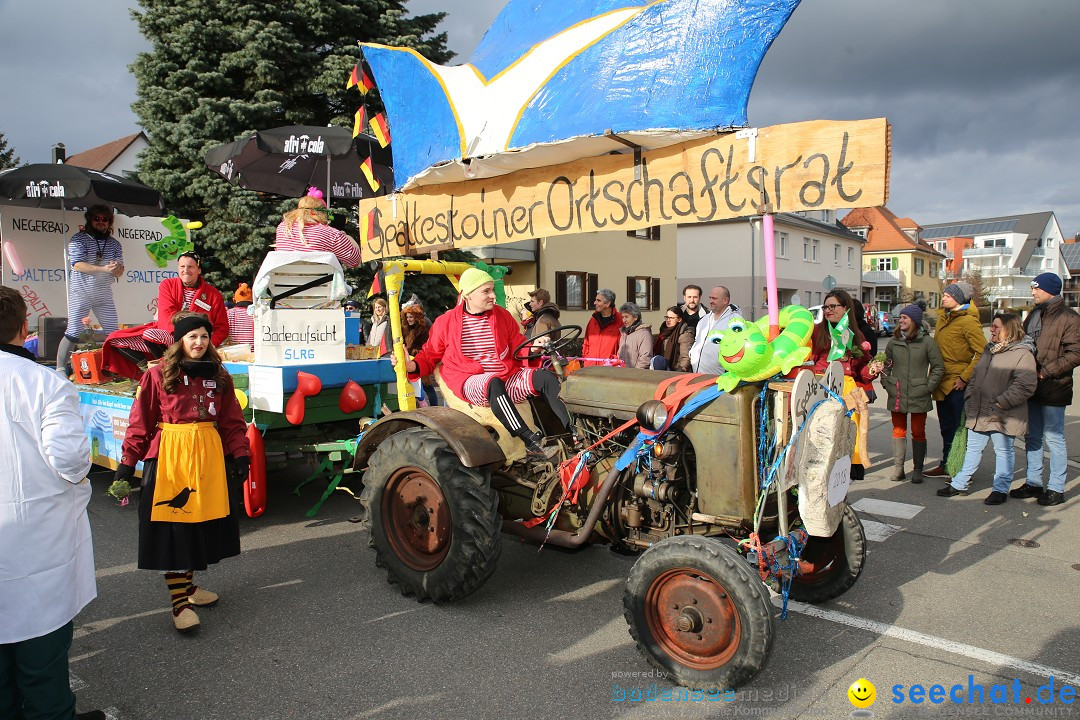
186 425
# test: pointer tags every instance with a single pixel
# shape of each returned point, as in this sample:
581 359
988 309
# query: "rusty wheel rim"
819 559
693 618
416 519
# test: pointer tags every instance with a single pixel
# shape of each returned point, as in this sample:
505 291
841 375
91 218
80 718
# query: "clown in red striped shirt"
474 342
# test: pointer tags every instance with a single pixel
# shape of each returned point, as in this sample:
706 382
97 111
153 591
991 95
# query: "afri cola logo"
42 189
304 144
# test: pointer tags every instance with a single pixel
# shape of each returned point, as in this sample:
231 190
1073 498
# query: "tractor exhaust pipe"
564 538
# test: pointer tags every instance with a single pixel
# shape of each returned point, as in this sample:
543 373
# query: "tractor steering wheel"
573 332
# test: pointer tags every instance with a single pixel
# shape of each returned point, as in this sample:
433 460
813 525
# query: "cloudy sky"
983 95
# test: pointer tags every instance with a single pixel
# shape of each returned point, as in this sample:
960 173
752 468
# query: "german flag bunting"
359 79
367 227
378 284
358 121
369 173
380 130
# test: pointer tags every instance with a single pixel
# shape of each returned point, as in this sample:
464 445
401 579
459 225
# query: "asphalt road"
309 628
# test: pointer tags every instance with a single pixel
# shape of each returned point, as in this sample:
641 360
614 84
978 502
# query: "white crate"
295 274
299 337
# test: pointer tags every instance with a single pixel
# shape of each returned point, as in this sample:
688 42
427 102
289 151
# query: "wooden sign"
814 165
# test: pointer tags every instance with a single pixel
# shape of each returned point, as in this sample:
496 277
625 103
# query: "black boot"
918 456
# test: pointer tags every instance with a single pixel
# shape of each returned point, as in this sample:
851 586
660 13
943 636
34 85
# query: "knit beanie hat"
191 322
914 312
961 291
1048 282
472 279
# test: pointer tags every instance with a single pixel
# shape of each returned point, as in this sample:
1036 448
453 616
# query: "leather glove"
242 465
126 472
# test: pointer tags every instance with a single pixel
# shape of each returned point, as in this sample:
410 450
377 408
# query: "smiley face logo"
862 693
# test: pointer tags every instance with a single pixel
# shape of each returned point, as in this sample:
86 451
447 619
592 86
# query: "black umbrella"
68 187
288 160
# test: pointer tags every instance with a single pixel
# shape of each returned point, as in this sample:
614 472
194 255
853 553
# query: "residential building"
1007 252
1070 254
638 266
814 253
900 265
118 157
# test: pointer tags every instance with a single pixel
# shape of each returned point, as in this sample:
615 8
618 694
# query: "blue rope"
644 440
794 551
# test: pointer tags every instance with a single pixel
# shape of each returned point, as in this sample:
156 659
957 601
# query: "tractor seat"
513 448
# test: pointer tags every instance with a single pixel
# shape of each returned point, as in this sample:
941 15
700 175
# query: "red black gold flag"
378 284
358 121
369 173
380 130
367 227
354 77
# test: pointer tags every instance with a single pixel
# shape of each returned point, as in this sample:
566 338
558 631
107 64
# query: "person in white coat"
46 556
704 356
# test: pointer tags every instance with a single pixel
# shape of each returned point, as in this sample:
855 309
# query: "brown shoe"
186 620
937 472
201 597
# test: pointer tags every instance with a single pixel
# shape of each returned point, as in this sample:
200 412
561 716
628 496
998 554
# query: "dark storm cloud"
64 76
982 94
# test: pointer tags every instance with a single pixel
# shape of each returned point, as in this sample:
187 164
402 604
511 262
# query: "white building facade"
1007 252
813 254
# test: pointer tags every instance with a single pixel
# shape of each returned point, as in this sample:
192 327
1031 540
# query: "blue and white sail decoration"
552 80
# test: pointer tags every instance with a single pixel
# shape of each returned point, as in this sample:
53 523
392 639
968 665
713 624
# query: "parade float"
622 114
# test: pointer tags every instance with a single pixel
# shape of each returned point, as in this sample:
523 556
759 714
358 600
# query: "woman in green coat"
912 370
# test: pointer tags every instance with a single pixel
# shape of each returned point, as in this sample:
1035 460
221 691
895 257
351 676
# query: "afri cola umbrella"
67 187
288 160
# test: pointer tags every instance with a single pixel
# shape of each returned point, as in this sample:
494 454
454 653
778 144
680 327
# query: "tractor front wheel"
699 613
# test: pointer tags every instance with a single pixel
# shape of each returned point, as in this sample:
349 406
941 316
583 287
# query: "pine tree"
8 159
219 69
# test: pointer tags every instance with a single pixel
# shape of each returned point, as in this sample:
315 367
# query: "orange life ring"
255 484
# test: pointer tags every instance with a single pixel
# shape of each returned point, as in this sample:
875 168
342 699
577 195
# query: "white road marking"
281 584
75 682
84 656
887 508
393 614
591 590
427 700
99 625
111 713
989 657
879 532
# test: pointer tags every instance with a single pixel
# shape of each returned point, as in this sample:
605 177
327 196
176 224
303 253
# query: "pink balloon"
13 258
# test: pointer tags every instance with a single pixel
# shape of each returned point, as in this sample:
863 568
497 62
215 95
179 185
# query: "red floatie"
255 485
306 386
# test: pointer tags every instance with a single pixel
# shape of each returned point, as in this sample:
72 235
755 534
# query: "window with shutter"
571 290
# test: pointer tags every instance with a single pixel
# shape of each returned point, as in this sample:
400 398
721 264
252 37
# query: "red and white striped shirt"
241 326
319 238
478 342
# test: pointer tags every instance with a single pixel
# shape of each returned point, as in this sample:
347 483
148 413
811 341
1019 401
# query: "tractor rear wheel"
836 561
434 523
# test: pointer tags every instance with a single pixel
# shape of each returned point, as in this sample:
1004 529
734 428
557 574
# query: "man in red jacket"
602 333
474 341
124 349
